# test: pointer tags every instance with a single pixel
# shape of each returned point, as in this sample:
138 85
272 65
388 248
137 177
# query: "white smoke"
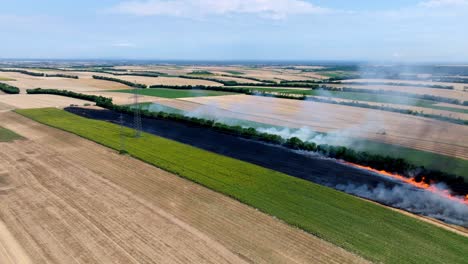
414 200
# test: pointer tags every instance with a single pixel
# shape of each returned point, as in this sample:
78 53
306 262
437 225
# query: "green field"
8 135
370 230
5 79
235 72
174 93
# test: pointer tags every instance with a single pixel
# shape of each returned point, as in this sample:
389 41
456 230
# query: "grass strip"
8 135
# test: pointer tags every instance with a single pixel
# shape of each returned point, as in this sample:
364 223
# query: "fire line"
411 181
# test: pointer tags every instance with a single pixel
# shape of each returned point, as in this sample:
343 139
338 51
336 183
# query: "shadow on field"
309 167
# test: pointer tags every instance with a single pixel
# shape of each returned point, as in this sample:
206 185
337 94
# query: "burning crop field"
415 195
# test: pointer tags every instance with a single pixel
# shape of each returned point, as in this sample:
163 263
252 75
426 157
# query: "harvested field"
455 94
427 110
10 250
78 85
408 131
72 200
5 107
37 101
175 93
124 98
239 80
165 80
457 86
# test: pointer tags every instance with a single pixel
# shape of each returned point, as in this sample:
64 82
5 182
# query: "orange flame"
413 182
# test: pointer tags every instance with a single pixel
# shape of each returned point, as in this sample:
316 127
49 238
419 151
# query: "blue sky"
411 30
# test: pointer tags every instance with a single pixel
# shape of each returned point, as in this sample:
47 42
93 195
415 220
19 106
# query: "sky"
305 30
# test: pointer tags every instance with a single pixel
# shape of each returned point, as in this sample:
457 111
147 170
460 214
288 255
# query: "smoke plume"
414 200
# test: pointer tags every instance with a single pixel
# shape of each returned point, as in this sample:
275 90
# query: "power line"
122 135
136 114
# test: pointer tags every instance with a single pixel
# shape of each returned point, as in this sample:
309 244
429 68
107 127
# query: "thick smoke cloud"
414 200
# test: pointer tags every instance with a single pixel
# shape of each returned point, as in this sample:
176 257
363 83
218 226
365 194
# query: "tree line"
128 83
62 76
248 78
40 74
37 74
6 88
99 100
379 162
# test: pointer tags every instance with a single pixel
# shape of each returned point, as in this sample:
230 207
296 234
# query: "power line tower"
123 150
136 114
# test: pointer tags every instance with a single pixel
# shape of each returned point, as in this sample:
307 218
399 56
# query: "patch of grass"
234 72
5 79
375 232
8 135
175 93
338 74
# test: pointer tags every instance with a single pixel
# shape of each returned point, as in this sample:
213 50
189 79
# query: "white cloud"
275 9
444 3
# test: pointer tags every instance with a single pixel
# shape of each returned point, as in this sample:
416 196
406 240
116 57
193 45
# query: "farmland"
60 187
210 198
171 93
237 132
40 100
338 220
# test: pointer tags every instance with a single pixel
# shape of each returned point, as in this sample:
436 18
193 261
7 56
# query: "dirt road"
69 200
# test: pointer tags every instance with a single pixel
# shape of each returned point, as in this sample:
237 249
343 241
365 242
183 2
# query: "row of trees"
9 89
396 165
38 74
99 100
63 76
204 87
248 78
128 83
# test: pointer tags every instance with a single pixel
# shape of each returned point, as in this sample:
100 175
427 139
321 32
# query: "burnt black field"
313 168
